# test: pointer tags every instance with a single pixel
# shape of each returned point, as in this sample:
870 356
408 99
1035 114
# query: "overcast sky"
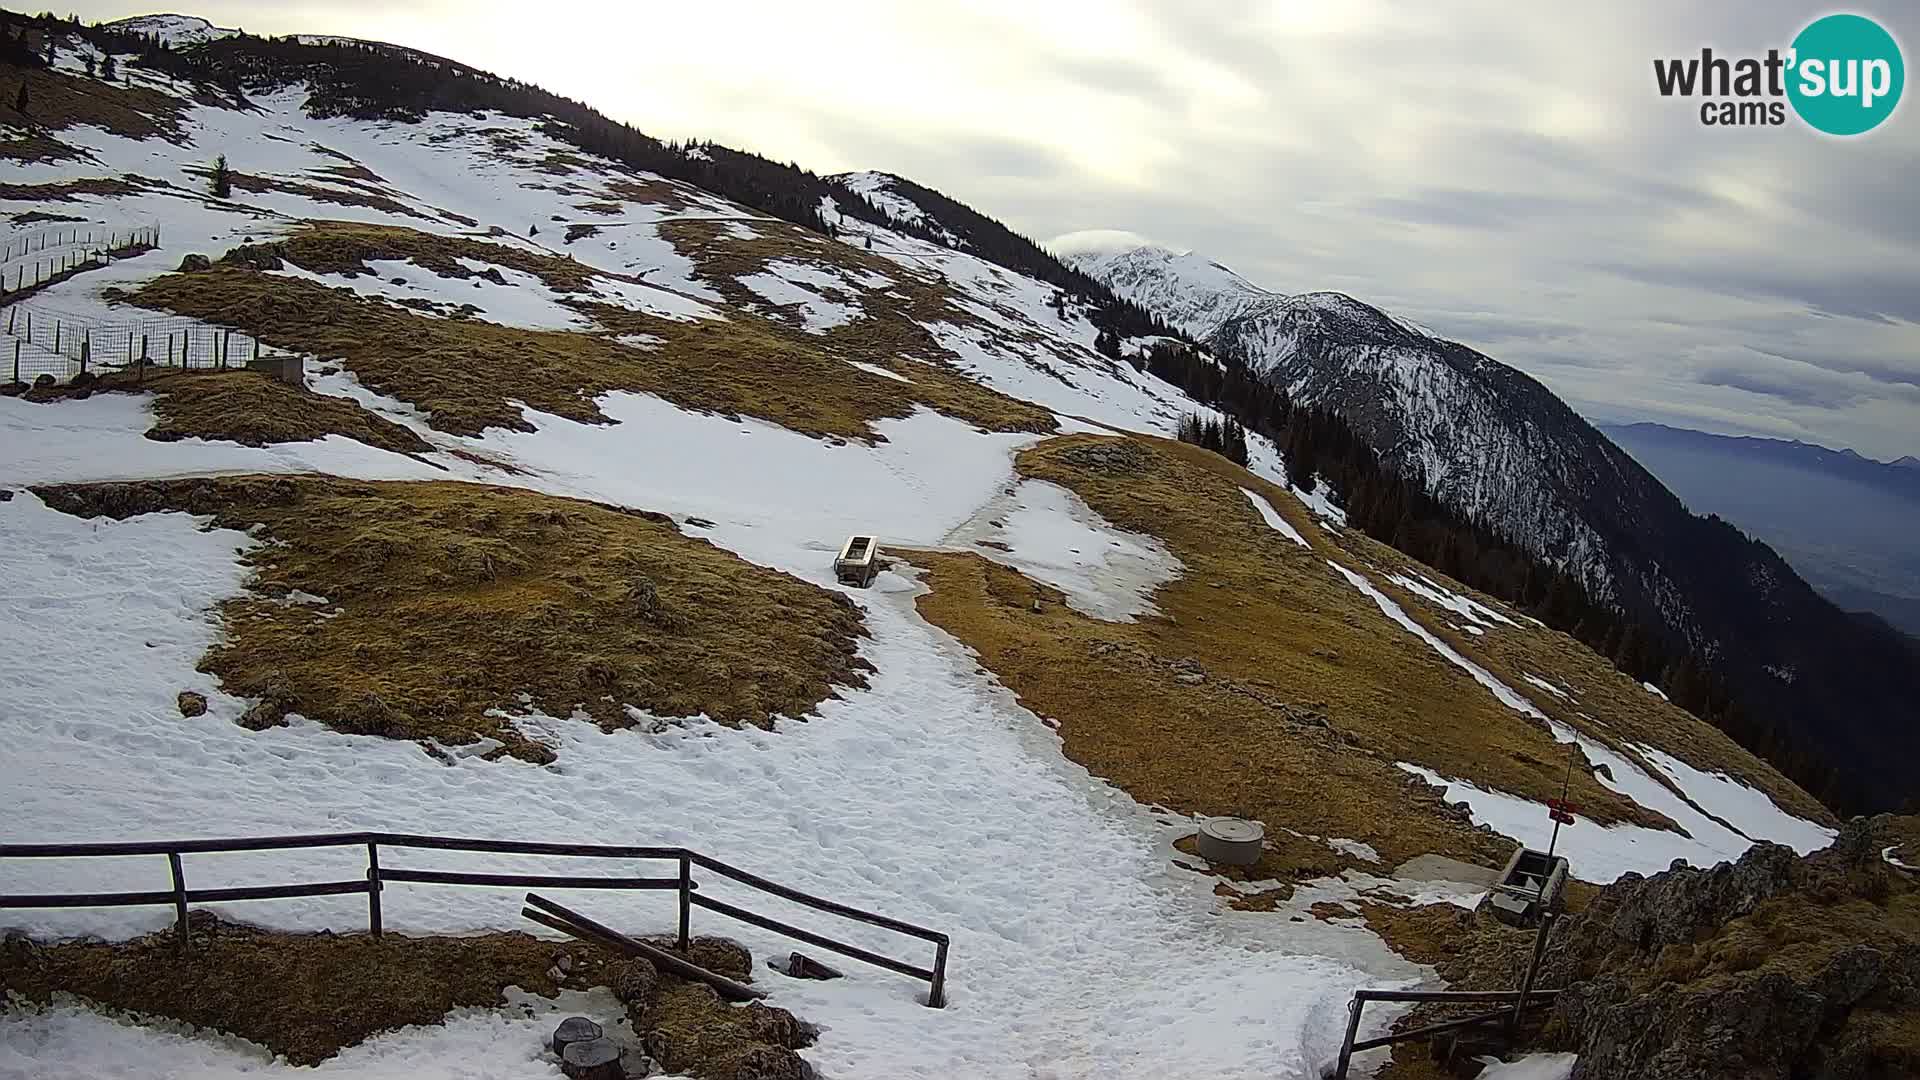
1506 176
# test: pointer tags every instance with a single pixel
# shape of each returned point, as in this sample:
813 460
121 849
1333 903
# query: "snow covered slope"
545 320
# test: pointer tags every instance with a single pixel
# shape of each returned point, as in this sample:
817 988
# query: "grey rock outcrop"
1769 968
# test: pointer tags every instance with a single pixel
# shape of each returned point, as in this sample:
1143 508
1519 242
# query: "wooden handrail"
179 896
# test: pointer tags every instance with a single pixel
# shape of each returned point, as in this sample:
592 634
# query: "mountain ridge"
1499 448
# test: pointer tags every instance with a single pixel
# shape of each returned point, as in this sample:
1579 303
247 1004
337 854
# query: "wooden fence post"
16 360
179 894
373 888
686 904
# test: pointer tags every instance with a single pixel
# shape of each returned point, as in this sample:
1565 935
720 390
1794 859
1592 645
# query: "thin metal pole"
1346 1045
179 894
1566 785
1533 968
373 888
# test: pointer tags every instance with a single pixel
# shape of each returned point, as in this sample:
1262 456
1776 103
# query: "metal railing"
27 268
1512 1002
179 897
17 245
48 341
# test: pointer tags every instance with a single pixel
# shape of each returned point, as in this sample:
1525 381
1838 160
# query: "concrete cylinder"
1231 841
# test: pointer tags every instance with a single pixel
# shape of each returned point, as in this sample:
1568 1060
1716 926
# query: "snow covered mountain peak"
882 189
1192 292
175 30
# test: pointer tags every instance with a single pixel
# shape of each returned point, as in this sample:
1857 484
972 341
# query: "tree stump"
574 1029
594 1059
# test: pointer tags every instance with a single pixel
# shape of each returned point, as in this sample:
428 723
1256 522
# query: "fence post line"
16 359
937 994
373 888
686 904
86 351
179 894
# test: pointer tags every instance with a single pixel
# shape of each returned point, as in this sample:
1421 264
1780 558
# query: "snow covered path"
932 797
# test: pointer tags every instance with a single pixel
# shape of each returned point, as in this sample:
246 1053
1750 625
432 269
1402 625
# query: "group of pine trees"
1225 437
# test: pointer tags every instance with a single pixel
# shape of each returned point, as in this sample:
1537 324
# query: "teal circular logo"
1846 76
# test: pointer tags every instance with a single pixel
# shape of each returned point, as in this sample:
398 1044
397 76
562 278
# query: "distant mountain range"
1846 522
1814 685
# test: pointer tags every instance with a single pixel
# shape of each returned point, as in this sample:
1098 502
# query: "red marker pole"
1560 810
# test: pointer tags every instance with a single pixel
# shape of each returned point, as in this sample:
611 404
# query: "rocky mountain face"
1770 967
1500 448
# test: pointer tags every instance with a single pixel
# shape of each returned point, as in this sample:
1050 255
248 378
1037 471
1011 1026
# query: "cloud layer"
1504 176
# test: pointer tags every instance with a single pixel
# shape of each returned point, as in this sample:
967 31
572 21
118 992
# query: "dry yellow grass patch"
345 247
67 190
447 604
1309 695
309 996
246 407
251 409
58 101
319 193
468 373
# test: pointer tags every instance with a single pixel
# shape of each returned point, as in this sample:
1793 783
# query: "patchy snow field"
1602 854
1273 519
1051 535
918 797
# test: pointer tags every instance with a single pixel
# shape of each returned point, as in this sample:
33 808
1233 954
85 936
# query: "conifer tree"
20 100
222 178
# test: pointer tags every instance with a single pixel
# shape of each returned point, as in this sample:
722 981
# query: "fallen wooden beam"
574 924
